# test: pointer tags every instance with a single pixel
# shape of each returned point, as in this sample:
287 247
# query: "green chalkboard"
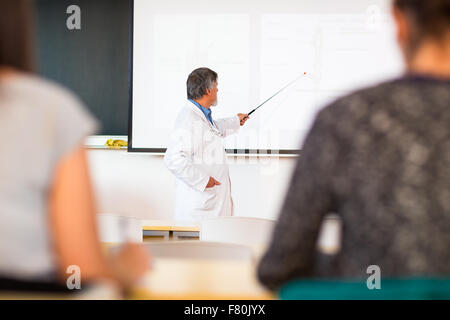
93 61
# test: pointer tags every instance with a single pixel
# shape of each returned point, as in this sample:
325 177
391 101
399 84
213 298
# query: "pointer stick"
276 93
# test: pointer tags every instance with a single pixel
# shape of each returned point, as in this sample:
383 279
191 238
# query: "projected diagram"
338 52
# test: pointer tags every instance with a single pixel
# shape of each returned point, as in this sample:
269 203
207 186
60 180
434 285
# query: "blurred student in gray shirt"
47 211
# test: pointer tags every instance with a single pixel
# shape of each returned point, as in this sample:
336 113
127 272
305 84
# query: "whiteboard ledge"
98 142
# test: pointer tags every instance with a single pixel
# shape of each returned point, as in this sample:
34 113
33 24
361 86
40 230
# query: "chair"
119 229
238 230
408 288
198 250
329 240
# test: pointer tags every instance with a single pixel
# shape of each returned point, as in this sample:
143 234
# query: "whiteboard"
256 47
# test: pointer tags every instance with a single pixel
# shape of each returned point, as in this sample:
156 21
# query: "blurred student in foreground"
47 212
379 158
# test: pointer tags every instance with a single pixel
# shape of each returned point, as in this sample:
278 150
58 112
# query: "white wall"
138 184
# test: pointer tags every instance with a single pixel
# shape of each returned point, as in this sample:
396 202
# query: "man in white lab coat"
196 154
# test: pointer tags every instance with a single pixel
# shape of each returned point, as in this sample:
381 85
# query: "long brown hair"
16 40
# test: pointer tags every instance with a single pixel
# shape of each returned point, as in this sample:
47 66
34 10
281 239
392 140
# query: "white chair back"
329 241
191 249
119 229
238 230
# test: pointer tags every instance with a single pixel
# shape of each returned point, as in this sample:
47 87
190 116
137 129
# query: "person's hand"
130 263
212 182
243 117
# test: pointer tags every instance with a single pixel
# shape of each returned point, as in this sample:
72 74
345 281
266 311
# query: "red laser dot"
304 72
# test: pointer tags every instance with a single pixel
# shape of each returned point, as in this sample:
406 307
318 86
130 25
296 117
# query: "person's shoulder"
52 100
38 87
360 102
186 115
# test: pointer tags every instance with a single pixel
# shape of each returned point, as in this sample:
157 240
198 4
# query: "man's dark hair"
427 18
15 34
198 81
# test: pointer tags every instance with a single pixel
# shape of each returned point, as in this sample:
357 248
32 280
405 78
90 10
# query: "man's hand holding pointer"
243 117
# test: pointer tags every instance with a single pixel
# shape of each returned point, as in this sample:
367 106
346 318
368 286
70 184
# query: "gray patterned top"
380 159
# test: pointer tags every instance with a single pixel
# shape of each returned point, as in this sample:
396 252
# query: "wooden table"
181 278
171 229
173 278
97 291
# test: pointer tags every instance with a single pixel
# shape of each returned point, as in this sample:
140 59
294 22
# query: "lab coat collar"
199 112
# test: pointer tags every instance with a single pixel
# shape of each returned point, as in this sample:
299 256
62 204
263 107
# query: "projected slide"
256 49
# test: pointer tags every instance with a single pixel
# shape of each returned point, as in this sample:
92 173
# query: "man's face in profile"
214 91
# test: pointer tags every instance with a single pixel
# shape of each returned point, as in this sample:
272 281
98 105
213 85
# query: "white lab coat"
195 153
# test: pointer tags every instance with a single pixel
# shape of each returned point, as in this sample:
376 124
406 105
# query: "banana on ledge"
116 144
